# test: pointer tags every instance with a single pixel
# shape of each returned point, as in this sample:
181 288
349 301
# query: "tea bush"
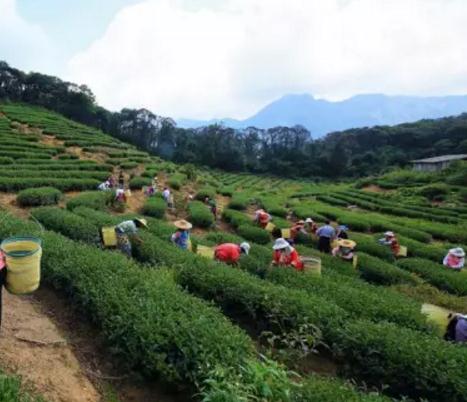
137 183
254 234
69 224
6 160
200 215
34 197
100 200
437 275
236 218
204 192
11 390
239 201
9 184
155 207
177 180
377 271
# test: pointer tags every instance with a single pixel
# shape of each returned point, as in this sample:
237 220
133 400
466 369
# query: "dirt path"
33 347
8 201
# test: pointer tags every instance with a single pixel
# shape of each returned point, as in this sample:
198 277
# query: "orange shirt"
291 258
228 253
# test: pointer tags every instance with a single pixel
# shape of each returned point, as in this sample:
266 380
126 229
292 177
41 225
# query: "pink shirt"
2 261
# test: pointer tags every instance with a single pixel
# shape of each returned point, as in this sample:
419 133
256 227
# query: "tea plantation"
251 332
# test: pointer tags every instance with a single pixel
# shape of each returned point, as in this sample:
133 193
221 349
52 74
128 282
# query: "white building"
436 163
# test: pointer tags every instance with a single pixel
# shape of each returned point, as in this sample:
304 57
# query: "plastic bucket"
402 251
286 233
109 237
270 227
23 260
312 265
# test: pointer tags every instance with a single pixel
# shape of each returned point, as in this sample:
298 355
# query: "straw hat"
457 252
389 234
308 220
183 224
301 222
346 243
280 244
142 221
245 247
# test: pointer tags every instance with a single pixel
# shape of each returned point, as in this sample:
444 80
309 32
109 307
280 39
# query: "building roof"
443 158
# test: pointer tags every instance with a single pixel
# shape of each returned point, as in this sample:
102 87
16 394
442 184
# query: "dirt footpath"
32 347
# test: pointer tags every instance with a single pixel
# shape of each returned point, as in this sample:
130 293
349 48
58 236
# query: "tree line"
285 151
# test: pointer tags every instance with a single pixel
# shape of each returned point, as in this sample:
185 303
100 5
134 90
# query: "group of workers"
111 183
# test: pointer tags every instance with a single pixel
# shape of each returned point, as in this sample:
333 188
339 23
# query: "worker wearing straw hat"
181 237
310 226
126 229
286 255
297 227
455 259
344 249
390 239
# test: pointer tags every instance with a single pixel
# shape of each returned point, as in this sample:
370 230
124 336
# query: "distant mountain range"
321 117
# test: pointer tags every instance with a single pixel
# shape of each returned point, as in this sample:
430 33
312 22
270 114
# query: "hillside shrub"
200 215
6 160
99 200
437 275
176 181
435 192
236 218
33 197
204 192
138 182
67 157
155 207
69 224
10 184
377 271
254 234
239 201
227 191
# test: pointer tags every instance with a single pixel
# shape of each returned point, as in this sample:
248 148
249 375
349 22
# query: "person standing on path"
325 234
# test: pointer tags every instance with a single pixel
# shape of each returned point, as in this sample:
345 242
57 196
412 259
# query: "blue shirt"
326 231
181 239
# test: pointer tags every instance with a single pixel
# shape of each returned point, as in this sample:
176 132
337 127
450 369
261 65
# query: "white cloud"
205 59
24 45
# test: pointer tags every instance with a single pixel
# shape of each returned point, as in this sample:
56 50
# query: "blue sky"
228 58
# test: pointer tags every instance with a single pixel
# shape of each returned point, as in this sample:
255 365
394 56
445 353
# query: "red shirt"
395 246
295 230
292 259
228 253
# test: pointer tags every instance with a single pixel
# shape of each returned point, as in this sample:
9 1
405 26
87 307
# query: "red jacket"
292 259
228 253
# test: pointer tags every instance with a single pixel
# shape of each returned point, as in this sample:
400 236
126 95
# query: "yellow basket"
23 260
355 261
205 251
286 233
438 316
312 265
128 193
402 251
270 227
109 237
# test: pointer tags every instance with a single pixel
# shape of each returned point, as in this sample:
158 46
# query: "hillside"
321 117
282 151
197 329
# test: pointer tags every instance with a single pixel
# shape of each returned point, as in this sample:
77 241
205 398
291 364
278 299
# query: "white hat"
457 252
308 220
280 244
389 234
245 247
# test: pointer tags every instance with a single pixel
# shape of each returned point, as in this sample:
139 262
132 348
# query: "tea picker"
181 238
126 229
286 255
230 253
455 259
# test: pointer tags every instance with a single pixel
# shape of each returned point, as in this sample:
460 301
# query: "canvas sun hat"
245 247
280 244
346 243
183 224
143 222
457 252
389 234
308 220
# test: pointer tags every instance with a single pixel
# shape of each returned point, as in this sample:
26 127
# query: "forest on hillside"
285 151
